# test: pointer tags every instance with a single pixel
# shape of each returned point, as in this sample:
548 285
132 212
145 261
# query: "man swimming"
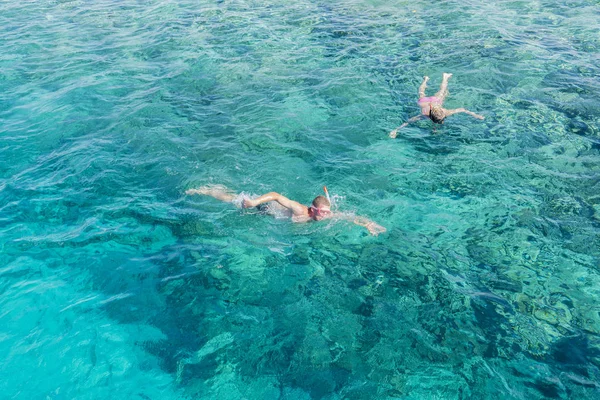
431 107
276 203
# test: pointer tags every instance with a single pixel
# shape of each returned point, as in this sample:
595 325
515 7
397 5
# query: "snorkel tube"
327 195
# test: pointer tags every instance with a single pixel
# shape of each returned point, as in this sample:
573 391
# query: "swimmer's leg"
443 92
219 192
423 87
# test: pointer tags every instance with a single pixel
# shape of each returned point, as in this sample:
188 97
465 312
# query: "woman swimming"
431 107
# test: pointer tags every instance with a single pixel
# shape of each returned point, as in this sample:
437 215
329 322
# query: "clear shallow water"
114 283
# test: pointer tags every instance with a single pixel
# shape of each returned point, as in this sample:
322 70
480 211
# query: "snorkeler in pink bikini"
431 107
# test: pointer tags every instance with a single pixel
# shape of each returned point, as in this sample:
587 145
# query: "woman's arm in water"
294 206
463 110
394 133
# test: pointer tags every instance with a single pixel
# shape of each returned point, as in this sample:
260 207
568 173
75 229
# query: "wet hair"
436 114
321 201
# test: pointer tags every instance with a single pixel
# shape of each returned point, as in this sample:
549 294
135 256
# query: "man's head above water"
320 208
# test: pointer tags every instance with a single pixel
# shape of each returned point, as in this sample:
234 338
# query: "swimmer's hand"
394 133
375 229
464 110
249 203
472 114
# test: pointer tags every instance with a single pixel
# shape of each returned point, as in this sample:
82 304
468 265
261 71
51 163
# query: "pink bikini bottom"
431 99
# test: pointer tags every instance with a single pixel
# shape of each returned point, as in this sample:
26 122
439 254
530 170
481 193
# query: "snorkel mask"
321 210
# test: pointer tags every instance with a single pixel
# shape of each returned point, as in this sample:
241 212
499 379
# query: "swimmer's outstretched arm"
463 110
374 228
294 206
394 133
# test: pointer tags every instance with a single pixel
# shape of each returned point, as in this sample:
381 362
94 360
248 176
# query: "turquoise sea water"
116 285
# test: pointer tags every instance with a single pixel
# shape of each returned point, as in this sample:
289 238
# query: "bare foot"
425 78
209 190
446 76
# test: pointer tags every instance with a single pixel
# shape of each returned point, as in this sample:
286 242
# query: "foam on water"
113 283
